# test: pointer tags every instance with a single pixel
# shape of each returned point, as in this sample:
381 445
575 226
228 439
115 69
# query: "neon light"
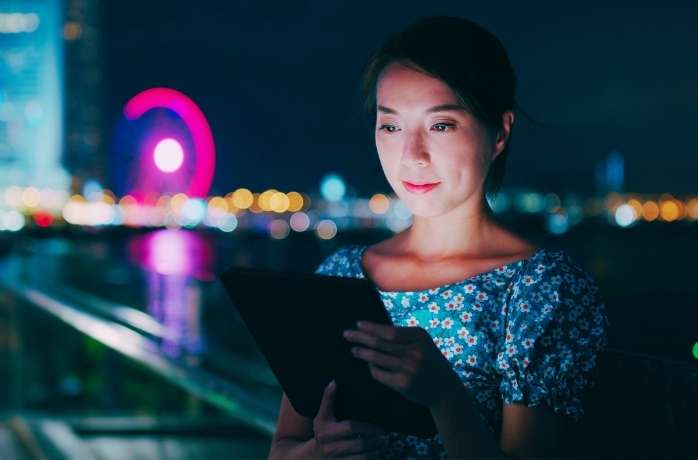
194 119
168 155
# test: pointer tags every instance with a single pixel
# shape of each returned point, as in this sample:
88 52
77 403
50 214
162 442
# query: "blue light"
92 190
332 187
193 211
557 223
614 171
625 215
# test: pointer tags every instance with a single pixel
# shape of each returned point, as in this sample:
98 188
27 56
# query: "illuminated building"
84 155
31 96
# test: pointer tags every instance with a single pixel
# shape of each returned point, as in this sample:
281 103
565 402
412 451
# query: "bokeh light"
669 210
332 187
278 229
295 201
625 215
279 202
168 155
326 229
299 221
31 197
242 198
650 211
379 203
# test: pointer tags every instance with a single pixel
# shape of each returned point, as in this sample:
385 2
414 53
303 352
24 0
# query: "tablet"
297 320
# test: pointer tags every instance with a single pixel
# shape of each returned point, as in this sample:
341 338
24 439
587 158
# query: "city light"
204 153
295 201
625 215
242 198
228 223
16 23
379 203
31 197
299 221
669 210
279 202
650 211
92 190
326 229
557 223
278 229
272 210
168 155
332 187
12 221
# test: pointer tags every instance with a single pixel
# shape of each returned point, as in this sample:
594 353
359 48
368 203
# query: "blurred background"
145 146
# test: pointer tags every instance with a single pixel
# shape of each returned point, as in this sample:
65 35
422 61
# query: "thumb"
326 410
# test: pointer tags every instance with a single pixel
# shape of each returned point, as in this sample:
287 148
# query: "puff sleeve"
556 325
337 263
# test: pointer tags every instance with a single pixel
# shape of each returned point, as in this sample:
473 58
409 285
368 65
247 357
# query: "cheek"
388 156
457 165
466 164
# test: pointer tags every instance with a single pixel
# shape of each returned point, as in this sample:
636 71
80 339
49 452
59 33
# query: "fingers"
392 379
351 438
395 334
326 410
348 429
388 362
375 342
351 447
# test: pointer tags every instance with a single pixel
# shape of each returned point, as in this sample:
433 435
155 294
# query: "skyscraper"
31 94
610 174
84 155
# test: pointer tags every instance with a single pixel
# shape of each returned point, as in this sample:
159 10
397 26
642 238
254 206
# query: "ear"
503 135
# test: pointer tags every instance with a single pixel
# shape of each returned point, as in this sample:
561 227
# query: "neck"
433 238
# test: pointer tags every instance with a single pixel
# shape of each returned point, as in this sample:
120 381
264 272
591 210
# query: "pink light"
168 155
194 119
174 252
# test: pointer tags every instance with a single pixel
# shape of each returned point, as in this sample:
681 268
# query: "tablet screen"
297 321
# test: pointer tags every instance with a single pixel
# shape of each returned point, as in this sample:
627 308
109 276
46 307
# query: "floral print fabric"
526 332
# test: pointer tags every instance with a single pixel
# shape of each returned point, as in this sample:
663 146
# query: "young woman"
497 337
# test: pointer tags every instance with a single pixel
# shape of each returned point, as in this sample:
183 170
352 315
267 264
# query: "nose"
414 151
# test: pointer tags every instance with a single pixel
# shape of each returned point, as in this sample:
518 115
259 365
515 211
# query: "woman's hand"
405 359
347 439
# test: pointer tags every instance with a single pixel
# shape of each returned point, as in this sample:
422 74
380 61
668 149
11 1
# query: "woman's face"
423 135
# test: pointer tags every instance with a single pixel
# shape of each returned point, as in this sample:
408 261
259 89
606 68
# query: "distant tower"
615 171
609 174
84 156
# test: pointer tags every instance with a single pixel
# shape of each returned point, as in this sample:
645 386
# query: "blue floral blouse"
525 332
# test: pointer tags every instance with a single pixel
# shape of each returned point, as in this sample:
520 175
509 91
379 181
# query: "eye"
443 127
388 128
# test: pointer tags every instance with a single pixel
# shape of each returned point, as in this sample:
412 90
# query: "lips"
419 188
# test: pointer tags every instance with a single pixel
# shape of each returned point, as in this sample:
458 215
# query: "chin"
424 208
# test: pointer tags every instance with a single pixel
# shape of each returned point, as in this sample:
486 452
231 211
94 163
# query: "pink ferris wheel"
169 143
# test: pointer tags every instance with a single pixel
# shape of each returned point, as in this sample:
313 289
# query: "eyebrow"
438 108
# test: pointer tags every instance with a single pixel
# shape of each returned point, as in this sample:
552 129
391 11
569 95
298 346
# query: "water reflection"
174 252
175 263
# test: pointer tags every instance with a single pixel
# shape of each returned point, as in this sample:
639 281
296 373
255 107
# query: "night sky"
279 83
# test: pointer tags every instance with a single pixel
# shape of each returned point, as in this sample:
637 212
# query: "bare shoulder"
513 245
392 268
504 246
383 253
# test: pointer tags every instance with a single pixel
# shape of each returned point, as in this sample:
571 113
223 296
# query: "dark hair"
468 58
